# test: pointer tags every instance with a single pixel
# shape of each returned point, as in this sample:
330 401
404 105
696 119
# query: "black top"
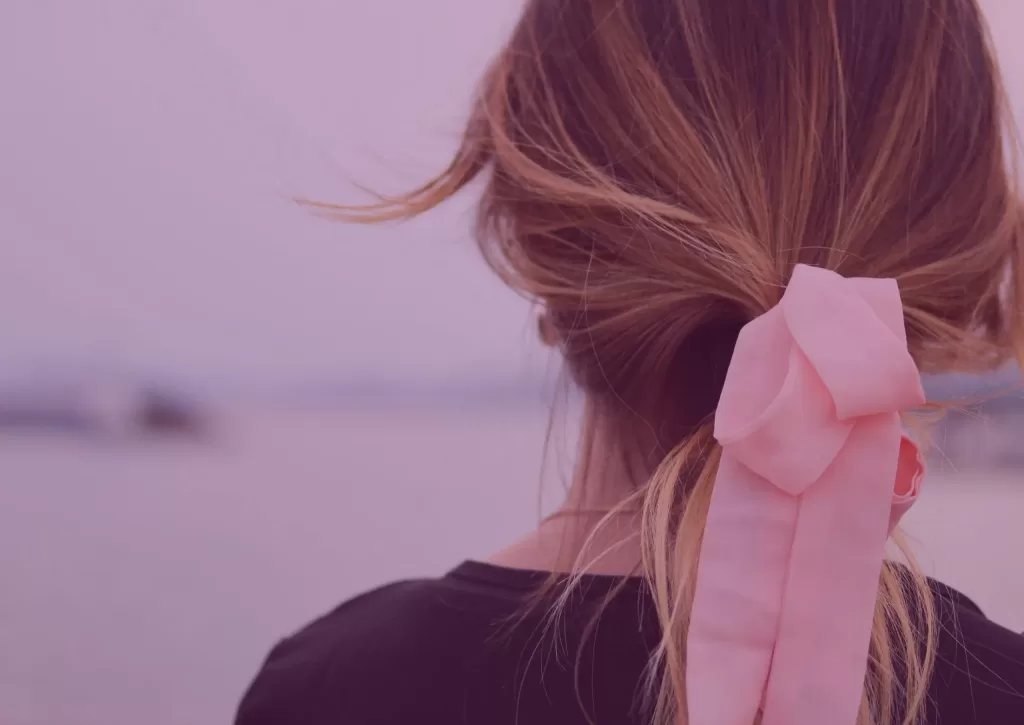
459 651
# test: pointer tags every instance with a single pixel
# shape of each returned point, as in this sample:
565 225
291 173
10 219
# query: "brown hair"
653 170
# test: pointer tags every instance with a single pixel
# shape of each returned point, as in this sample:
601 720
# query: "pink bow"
815 472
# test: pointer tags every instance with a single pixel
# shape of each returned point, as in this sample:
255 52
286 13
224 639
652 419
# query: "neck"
596 529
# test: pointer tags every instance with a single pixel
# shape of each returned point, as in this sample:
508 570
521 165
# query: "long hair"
653 170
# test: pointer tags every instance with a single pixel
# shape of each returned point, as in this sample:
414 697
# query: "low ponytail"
675 509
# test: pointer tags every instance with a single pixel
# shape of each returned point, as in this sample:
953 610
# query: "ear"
546 330
909 478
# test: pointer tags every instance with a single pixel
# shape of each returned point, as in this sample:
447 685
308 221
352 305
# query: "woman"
750 224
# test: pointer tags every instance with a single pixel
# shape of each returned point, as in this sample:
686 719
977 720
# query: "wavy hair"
652 172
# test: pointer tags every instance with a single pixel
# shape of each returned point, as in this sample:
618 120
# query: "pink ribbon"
815 472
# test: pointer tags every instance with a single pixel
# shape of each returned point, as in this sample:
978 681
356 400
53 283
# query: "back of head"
655 170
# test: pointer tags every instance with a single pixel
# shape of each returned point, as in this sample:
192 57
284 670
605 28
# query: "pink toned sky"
147 153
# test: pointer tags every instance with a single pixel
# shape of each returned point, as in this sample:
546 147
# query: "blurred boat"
101 411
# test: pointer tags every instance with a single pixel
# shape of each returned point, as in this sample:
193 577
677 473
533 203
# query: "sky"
150 152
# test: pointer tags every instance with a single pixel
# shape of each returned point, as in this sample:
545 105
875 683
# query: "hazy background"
339 406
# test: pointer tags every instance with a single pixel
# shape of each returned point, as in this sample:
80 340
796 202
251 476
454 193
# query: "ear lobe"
909 478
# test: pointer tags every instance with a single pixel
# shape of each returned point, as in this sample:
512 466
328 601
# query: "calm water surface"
143 582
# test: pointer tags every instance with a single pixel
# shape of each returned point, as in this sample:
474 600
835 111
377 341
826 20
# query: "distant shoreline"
465 392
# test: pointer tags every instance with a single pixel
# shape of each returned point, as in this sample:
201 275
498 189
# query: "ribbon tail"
820 659
738 596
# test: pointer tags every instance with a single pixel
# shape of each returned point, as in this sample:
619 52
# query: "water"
144 582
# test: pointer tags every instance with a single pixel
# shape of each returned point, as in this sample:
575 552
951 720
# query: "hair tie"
815 472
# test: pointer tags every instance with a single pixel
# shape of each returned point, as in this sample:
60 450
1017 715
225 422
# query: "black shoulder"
979 668
382 657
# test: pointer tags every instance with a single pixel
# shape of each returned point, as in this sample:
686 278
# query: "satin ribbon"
815 473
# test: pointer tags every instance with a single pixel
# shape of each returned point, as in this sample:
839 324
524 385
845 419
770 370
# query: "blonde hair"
654 170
